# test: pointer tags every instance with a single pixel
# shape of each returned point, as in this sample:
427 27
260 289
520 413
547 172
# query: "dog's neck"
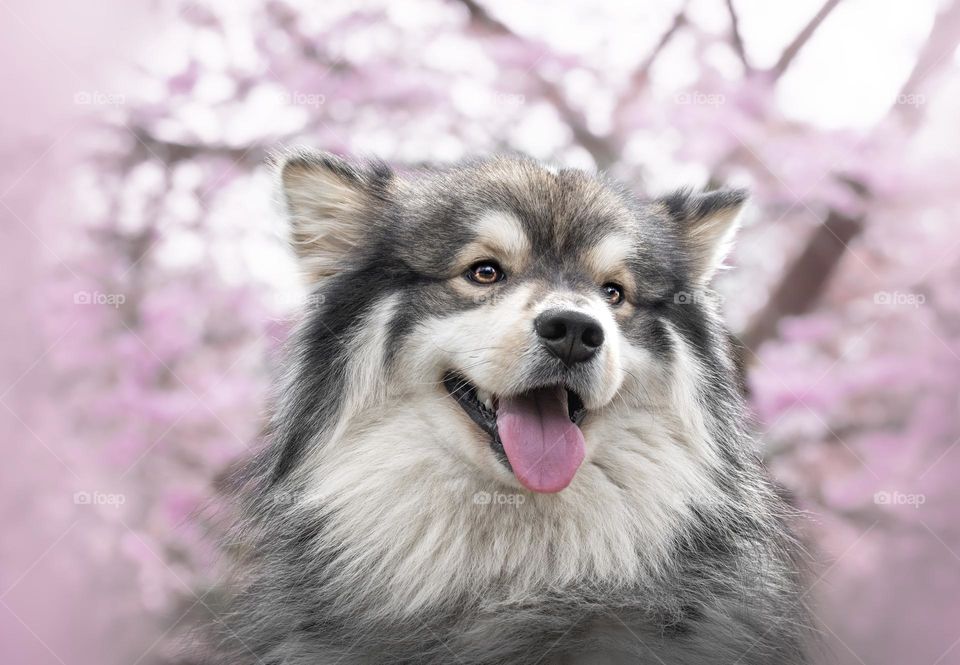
408 519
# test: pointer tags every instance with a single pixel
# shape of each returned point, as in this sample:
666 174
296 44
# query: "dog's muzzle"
536 433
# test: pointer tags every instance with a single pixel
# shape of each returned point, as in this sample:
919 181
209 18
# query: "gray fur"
722 584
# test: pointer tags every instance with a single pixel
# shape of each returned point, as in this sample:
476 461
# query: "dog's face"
513 311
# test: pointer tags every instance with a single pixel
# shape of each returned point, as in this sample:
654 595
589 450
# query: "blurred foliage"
172 290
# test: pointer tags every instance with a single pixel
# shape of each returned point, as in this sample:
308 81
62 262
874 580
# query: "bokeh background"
147 285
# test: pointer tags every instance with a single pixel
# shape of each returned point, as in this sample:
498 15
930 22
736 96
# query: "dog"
508 429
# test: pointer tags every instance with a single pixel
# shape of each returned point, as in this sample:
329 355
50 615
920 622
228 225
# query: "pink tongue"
544 448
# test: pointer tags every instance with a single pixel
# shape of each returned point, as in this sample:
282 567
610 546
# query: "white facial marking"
502 232
609 254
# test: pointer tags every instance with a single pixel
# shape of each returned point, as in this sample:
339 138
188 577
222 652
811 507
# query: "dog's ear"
708 221
331 204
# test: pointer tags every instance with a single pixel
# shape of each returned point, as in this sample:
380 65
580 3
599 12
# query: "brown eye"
613 293
485 272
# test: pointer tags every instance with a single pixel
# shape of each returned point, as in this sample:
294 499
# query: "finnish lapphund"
508 429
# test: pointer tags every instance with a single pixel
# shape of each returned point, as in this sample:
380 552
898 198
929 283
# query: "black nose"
573 337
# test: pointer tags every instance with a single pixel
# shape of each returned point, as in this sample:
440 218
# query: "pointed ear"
330 203
708 222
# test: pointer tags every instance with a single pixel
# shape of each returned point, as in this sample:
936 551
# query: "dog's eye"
485 272
613 293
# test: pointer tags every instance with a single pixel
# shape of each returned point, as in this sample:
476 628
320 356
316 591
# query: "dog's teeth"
485 398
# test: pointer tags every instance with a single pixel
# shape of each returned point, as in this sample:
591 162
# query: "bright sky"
847 74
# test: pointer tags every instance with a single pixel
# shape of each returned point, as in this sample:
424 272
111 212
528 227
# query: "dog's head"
506 311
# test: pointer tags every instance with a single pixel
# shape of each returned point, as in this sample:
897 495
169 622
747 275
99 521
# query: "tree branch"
480 17
791 52
813 268
170 152
773 74
604 152
641 76
736 38
818 261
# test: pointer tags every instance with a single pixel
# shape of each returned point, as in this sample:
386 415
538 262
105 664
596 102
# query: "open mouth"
536 434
